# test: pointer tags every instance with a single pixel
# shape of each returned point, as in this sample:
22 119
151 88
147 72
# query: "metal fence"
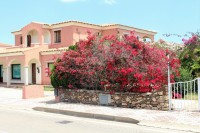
185 95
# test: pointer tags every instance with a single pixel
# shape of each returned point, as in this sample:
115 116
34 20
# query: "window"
57 36
21 40
50 66
16 71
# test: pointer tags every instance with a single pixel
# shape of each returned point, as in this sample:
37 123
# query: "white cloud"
71 1
110 2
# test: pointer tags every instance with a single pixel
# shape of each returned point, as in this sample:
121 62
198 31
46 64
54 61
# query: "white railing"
185 95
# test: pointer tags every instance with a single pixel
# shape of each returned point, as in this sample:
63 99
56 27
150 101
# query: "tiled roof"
15 50
5 45
98 25
73 21
103 25
56 49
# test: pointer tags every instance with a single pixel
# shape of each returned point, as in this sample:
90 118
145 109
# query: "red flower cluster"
115 64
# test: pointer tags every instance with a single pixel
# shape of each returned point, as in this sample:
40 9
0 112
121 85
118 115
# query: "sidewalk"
184 121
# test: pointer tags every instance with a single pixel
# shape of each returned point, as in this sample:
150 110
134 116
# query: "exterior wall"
110 32
17 40
66 37
80 33
156 101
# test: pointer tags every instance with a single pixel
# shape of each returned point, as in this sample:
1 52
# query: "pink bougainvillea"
191 40
113 63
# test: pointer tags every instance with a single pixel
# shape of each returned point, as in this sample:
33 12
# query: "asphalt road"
27 121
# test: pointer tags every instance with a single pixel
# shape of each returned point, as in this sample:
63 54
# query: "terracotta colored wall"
66 37
17 40
32 91
10 59
80 33
110 32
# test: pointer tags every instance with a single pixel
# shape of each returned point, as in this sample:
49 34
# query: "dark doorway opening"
33 73
28 40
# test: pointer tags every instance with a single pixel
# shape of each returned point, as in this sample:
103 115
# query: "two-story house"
36 44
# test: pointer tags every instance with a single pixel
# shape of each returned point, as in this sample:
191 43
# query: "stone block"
154 108
32 91
153 99
160 93
143 105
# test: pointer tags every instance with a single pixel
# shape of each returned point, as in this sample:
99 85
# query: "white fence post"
199 93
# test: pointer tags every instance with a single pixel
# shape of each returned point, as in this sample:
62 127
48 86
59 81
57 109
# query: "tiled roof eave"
54 50
18 53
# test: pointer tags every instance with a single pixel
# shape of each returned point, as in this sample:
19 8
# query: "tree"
190 56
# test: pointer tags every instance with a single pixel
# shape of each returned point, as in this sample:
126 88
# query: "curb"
88 115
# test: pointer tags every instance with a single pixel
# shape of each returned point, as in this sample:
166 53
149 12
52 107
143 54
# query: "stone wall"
154 100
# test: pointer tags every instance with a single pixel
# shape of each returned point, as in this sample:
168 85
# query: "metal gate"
185 95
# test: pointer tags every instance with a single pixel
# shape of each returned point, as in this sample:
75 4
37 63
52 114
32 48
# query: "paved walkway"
188 121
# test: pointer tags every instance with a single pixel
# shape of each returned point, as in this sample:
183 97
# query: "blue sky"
163 16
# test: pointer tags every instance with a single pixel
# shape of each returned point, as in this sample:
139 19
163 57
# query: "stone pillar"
59 94
8 71
39 75
26 75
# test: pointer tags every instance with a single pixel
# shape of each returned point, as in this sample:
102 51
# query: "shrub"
114 64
